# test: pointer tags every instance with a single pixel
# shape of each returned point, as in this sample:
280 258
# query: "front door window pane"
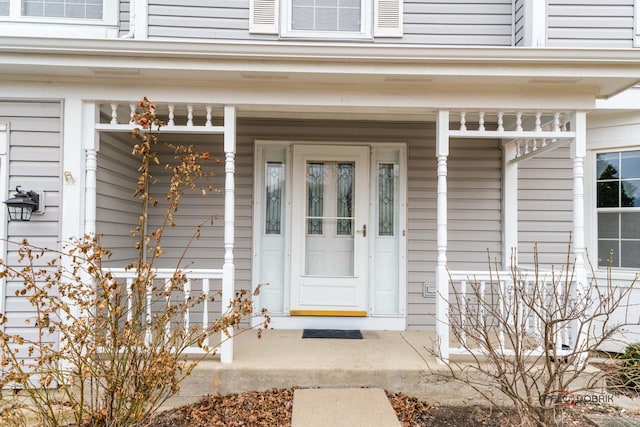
345 199
273 215
315 197
329 243
4 7
386 203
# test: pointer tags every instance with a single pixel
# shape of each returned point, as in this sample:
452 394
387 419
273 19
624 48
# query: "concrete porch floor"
395 361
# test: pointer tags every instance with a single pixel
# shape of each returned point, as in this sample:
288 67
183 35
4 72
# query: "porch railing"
200 282
495 300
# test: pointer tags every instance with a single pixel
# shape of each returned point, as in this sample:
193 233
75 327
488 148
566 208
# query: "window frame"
593 203
366 25
17 24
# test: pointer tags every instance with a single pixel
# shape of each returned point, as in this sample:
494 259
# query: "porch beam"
228 268
442 299
509 207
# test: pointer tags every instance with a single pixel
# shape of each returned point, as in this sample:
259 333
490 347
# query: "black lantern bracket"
25 203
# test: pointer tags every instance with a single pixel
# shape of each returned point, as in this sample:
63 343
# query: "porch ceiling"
383 71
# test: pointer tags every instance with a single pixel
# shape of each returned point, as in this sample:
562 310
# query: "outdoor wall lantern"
22 205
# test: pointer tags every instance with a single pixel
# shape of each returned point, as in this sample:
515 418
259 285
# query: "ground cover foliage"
99 351
274 408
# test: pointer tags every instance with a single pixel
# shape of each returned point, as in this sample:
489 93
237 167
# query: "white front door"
330 212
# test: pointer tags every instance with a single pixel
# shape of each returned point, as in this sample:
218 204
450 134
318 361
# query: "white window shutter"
263 16
387 18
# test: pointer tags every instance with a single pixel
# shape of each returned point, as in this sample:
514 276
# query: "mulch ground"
274 407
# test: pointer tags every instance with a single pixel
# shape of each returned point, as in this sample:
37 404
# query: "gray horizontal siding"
125 17
34 163
590 23
452 22
117 209
545 209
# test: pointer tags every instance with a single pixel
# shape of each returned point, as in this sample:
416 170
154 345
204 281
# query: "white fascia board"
295 51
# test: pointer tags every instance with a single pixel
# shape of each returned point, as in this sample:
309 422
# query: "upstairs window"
618 207
329 19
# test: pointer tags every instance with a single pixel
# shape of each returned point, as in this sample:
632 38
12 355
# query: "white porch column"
509 207
91 141
578 153
442 280
141 19
228 268
535 15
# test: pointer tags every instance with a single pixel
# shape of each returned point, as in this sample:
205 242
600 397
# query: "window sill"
12 27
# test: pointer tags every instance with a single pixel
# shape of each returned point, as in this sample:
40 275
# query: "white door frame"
280 318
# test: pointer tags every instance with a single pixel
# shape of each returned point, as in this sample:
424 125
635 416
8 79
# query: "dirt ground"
273 408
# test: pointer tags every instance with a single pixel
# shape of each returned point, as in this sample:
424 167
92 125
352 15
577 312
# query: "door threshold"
332 313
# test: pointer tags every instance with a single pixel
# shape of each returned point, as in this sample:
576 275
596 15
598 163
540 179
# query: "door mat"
352 334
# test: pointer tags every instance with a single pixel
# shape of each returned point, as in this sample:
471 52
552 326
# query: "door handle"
363 231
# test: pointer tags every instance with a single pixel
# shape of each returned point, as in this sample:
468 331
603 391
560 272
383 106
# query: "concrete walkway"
347 407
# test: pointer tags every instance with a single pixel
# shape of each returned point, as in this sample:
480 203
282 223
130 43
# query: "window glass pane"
326 19
630 254
630 224
349 20
345 199
608 250
608 194
315 196
4 7
630 167
273 214
607 165
86 9
327 3
630 195
386 204
608 226
302 18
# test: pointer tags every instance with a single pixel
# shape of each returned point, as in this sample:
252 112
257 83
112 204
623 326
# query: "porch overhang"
581 75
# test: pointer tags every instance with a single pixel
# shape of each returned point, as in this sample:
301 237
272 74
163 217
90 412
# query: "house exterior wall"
545 191
454 22
34 163
590 23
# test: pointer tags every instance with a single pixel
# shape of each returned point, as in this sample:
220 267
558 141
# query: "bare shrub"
100 356
530 335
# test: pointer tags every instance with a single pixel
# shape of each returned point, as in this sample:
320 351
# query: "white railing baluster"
480 306
187 298
129 300
481 127
538 121
167 300
148 336
500 121
501 313
463 311
519 121
132 111
172 115
205 309
114 114
463 121
556 122
208 122
189 115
